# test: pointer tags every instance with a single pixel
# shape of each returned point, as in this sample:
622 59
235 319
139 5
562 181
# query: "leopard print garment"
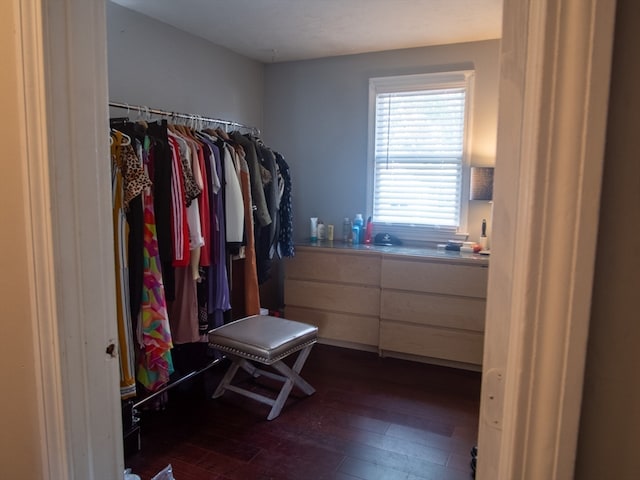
135 178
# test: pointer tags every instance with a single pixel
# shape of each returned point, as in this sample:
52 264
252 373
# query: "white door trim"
65 145
556 58
40 265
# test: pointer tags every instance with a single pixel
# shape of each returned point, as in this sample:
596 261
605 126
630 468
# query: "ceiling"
284 30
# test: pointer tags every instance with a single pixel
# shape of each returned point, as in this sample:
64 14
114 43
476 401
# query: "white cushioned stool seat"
267 340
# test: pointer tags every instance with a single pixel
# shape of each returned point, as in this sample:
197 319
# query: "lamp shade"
481 183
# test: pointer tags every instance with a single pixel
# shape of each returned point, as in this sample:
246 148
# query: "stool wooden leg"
294 373
250 368
280 399
289 376
292 378
226 380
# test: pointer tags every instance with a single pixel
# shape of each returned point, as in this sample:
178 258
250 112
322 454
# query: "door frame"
555 58
62 70
554 87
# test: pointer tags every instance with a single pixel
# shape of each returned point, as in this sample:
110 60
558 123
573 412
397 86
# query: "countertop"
427 253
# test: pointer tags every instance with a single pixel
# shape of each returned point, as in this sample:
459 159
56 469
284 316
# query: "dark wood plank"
370 418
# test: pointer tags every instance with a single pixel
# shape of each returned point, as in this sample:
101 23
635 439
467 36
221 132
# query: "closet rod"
188 116
177 382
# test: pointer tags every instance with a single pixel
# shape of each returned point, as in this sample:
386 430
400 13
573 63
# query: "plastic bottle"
346 229
368 231
356 234
358 222
484 243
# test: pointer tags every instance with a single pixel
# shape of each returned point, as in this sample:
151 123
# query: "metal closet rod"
177 382
188 116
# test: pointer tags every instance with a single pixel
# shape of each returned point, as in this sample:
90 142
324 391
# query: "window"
418 171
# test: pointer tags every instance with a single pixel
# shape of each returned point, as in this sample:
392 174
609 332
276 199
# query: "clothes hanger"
179 127
143 115
222 133
172 124
125 139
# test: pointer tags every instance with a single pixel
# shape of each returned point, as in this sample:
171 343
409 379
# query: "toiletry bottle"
314 229
356 234
321 230
483 236
346 229
359 222
330 232
368 231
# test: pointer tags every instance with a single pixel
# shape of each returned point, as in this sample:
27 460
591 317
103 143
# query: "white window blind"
419 143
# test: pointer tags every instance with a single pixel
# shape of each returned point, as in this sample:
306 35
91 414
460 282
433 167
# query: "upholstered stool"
266 340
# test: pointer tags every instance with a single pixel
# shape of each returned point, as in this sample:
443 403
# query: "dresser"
416 303
339 291
433 308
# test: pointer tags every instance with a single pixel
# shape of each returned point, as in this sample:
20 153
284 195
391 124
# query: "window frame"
416 82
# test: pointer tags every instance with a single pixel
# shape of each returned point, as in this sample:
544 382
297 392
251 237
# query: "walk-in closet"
218 161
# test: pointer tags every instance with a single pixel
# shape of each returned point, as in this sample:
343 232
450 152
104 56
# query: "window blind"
419 142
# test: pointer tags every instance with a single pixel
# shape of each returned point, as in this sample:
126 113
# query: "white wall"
154 64
316 114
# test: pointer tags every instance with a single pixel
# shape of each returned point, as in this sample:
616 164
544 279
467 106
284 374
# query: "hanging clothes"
204 208
179 223
183 311
127 182
285 236
266 236
187 207
250 270
162 185
257 191
155 364
234 206
218 301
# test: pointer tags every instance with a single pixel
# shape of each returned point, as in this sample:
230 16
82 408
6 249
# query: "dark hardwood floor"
371 418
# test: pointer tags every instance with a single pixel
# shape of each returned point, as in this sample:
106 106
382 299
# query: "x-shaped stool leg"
289 377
